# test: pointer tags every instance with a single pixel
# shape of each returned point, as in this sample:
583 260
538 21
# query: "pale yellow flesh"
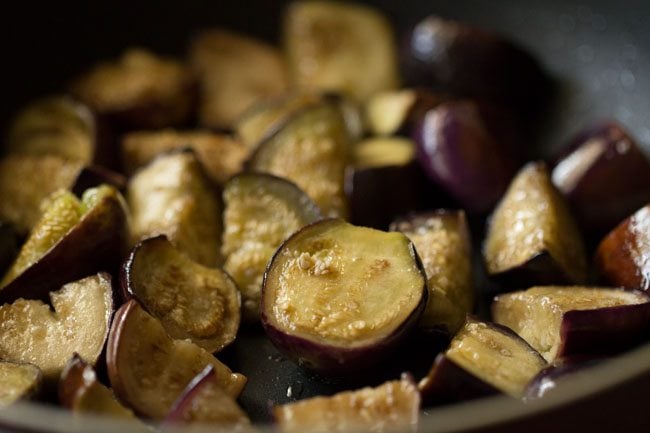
536 314
443 246
393 406
386 111
192 301
31 332
234 72
221 155
153 368
340 284
259 215
340 47
383 151
27 180
17 381
311 151
172 196
495 358
533 218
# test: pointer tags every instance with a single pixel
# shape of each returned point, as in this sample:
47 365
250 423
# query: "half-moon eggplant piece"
18 381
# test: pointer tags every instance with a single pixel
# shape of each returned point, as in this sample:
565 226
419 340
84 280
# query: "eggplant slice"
563 322
261 211
337 298
18 381
191 301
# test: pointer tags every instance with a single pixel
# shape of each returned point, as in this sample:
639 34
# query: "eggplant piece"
532 238
392 406
173 196
81 392
623 257
551 378
482 359
73 239
148 369
234 72
339 298
191 301
261 211
566 322
470 62
9 245
443 243
18 381
604 176
468 155
385 181
140 90
398 112
32 332
204 402
311 150
221 155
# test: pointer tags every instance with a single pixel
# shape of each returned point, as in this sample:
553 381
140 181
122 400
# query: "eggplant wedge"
482 359
173 196
138 90
553 377
261 211
18 381
339 47
566 322
604 176
338 298
623 257
392 406
443 243
397 112
73 239
148 369
191 301
234 72
78 323
532 237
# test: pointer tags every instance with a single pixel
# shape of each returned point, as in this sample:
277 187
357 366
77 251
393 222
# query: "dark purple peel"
458 151
604 175
95 175
552 377
333 351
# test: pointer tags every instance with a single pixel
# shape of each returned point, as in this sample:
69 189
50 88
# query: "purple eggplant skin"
448 383
551 377
467 61
604 175
95 175
460 153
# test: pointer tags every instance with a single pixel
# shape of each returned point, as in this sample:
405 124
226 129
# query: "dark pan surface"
598 51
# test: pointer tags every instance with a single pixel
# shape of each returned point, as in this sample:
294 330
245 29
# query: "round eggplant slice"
191 301
261 211
623 257
32 332
148 369
337 298
392 406
564 322
532 237
18 381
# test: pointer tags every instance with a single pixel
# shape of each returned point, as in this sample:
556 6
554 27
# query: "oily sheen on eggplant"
337 298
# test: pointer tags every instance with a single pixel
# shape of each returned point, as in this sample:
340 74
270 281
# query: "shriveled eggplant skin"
397 112
191 301
95 242
443 243
338 298
340 47
531 236
467 61
18 381
148 369
604 175
392 406
460 152
569 322
623 257
311 150
234 72
261 211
